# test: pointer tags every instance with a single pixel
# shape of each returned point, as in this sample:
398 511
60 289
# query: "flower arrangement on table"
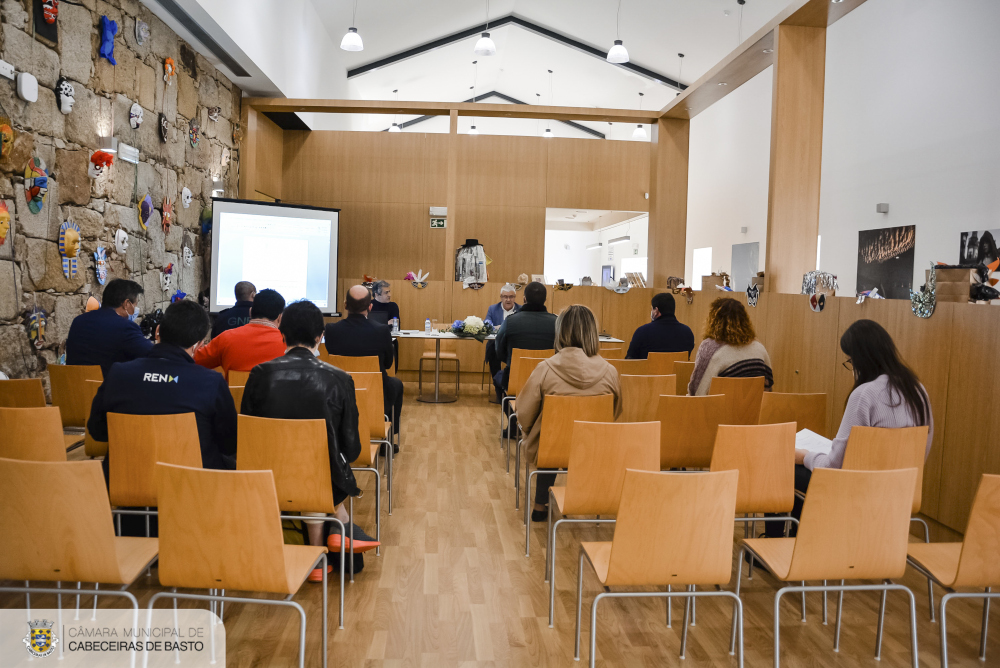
472 327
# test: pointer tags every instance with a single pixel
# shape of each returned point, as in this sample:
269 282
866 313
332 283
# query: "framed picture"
885 261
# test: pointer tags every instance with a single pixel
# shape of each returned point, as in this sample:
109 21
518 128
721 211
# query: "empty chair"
32 434
641 396
612 352
743 395
368 460
683 371
379 430
673 529
971 564
22 393
687 432
349 364
808 411
632 367
70 392
93 448
238 378
662 364
240 546
449 353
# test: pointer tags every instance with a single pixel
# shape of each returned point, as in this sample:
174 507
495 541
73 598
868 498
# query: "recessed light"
837 2
723 83
768 50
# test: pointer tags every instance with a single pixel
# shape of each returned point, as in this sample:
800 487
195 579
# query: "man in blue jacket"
496 314
109 334
239 314
664 334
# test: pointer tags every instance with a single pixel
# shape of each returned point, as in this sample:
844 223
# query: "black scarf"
534 308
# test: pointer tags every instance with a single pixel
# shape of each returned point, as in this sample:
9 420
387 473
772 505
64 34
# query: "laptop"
381 317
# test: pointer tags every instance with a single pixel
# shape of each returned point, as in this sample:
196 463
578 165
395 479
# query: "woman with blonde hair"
730 348
576 369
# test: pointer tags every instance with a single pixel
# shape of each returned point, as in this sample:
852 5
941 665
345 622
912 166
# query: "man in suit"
663 334
497 314
109 334
357 336
238 315
532 328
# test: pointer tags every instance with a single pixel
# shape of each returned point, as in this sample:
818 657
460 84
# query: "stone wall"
30 265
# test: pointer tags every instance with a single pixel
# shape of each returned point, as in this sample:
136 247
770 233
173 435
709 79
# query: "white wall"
573 263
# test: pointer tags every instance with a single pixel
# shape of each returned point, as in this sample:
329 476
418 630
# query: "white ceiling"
587 220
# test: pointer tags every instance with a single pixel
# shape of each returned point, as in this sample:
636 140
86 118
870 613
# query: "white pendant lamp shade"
639 132
617 54
395 128
485 46
473 130
352 41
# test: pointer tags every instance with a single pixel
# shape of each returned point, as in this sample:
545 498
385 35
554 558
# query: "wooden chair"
612 352
656 509
557 416
32 434
841 538
449 353
971 564
237 546
687 434
521 370
349 364
219 369
380 431
641 396
70 392
515 355
743 395
78 543
91 447
808 411
297 454
662 364
237 392
22 393
368 460
599 454
632 367
238 378
683 371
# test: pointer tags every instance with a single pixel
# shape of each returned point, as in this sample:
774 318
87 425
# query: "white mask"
135 115
186 197
121 241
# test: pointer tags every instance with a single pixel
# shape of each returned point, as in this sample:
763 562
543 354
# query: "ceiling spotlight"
473 130
723 83
352 40
618 53
837 2
639 132
395 128
768 50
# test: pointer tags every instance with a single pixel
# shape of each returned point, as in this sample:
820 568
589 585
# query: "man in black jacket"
664 334
531 328
357 336
239 314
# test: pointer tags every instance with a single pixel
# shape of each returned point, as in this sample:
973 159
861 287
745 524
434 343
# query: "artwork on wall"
164 128
206 220
186 197
101 264
121 241
4 222
65 95
135 115
187 255
885 261
753 293
46 13
169 71
978 247
167 277
194 134
168 214
145 210
6 135
213 113
99 162
34 322
36 184
108 29
923 301
69 247
141 32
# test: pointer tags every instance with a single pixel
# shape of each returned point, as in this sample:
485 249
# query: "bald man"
357 336
238 315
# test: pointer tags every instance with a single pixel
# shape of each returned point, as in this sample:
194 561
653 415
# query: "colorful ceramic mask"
178 296
69 247
92 304
101 264
108 29
35 322
4 222
188 256
6 136
164 128
50 11
141 32
66 95
135 115
213 113
168 214
817 302
145 210
36 184
753 293
169 71
923 302
121 241
99 162
186 197
167 277
194 134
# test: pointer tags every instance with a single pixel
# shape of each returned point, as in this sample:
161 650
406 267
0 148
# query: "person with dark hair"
382 299
243 348
109 334
357 336
730 348
663 334
239 314
297 386
531 328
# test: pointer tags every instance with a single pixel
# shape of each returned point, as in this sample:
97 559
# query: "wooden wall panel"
590 174
590 296
623 314
501 171
668 175
268 158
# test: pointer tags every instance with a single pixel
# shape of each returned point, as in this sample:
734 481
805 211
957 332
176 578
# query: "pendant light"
618 54
475 81
485 45
395 126
352 40
548 124
639 133
680 73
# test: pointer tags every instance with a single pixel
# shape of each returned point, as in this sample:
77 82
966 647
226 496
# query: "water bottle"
395 325
427 326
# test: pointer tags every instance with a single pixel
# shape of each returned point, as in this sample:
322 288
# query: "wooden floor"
453 587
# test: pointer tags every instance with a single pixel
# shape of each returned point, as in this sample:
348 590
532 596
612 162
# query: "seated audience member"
239 314
243 348
577 370
663 334
110 333
531 328
297 386
357 336
382 294
168 382
886 394
497 314
730 348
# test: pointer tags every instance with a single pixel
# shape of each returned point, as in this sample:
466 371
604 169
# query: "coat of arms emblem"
39 640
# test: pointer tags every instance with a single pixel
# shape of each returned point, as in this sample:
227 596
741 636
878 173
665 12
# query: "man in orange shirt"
243 348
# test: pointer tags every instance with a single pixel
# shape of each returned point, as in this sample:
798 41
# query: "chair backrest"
683 371
808 411
296 452
641 396
854 526
238 378
323 352
376 406
524 352
612 353
237 392
22 393
93 448
520 371
598 456
880 449
674 528
136 443
32 434
220 529
361 399
743 395
69 391
557 416
632 367
355 364
765 457
662 364
978 565
55 523
687 434
219 369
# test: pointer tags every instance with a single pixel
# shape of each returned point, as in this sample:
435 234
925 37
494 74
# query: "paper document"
813 442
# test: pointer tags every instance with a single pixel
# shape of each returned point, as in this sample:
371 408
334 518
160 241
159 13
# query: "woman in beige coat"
576 369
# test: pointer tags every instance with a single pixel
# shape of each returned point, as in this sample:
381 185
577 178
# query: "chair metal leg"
458 375
378 503
351 514
986 621
824 604
687 613
548 549
803 603
930 581
739 581
881 623
670 607
840 616
517 473
550 556
527 509
579 604
694 609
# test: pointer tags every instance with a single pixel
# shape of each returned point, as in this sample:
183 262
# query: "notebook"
813 442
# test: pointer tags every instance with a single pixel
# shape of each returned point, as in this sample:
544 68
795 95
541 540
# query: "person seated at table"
663 334
357 336
531 328
243 348
239 314
578 370
110 333
730 348
382 295
497 314
886 394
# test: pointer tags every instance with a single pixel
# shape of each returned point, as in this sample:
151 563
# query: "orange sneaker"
361 542
317 574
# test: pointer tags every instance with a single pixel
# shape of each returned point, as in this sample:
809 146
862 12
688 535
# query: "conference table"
437 397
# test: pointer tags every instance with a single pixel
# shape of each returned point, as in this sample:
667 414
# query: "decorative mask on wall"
92 304
194 134
35 321
213 113
141 32
169 71
206 220
817 301
36 184
121 241
186 197
65 95
923 302
188 256
4 222
50 11
69 247
164 128
145 210
6 136
753 293
177 297
688 295
168 214
225 156
108 29
101 264
135 115
99 163
167 277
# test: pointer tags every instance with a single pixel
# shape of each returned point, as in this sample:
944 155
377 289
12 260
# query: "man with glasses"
496 314
109 334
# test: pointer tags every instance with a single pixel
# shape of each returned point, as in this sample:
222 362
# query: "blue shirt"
231 318
663 335
103 337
